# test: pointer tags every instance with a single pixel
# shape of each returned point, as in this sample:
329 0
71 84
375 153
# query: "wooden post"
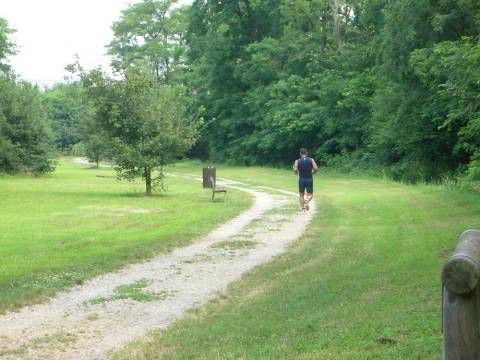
204 178
209 172
461 300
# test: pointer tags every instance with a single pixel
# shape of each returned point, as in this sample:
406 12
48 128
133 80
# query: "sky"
50 32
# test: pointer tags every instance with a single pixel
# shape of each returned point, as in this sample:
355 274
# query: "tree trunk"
167 71
247 20
323 20
335 6
157 70
148 181
97 156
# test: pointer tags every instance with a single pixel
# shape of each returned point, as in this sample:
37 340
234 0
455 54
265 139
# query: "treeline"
385 84
388 86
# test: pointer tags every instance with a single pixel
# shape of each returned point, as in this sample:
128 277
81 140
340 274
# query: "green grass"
362 283
59 230
235 244
134 291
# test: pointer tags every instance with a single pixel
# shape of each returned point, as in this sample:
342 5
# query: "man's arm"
314 167
295 167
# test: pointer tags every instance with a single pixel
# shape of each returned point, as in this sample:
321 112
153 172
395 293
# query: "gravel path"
91 320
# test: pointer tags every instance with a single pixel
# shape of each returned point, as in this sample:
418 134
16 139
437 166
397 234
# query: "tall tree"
150 33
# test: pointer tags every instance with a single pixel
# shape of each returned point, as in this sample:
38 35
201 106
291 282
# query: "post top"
461 273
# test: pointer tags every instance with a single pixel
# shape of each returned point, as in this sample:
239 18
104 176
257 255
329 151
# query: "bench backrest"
212 183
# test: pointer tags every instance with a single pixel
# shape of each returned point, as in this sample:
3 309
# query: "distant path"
81 161
91 320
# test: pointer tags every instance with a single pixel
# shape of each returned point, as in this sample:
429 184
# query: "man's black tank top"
305 166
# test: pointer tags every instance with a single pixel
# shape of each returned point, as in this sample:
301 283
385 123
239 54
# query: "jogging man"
305 167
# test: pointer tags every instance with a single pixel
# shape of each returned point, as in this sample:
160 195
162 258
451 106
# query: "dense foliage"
67 108
377 84
360 83
24 135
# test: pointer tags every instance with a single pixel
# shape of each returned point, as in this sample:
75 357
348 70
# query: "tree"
7 47
150 33
146 122
95 140
25 139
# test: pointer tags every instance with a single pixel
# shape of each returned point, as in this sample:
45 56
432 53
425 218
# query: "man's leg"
301 192
302 200
309 187
307 201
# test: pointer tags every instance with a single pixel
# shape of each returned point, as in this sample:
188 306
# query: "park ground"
61 229
362 283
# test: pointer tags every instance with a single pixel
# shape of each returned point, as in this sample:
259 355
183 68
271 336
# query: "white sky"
50 33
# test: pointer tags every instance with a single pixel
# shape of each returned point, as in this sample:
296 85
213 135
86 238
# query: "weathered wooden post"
461 300
209 172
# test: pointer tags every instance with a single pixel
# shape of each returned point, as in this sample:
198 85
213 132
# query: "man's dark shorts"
305 184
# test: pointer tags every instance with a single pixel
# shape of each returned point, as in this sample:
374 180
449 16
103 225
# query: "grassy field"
58 230
362 283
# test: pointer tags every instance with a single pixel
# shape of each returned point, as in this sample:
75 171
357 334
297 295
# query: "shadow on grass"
89 194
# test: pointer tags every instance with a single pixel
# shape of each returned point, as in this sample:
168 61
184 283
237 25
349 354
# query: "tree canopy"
149 34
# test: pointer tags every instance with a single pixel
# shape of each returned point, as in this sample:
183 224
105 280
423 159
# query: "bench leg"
213 196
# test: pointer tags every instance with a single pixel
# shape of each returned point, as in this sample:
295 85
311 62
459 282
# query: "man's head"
303 152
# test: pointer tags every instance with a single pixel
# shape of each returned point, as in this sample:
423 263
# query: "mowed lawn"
362 283
61 229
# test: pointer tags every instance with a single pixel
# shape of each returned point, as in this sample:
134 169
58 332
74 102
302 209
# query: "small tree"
95 140
96 148
145 122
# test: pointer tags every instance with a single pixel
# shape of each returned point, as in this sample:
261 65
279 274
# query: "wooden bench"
217 189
